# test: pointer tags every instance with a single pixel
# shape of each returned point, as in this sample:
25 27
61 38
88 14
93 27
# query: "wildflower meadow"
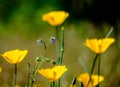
44 71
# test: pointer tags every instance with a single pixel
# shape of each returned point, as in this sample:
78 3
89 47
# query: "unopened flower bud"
39 42
38 59
53 62
53 39
47 59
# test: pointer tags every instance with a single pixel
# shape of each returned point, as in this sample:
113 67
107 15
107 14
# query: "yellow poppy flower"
99 46
55 18
84 78
54 73
14 56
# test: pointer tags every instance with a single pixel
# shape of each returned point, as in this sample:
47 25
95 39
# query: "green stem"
93 66
74 81
108 34
57 32
58 47
15 75
37 67
52 84
110 31
80 84
61 47
34 73
45 46
28 85
59 81
99 66
98 69
61 51
83 65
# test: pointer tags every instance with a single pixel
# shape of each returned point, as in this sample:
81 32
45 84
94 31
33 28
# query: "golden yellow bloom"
99 46
55 18
54 73
84 78
14 56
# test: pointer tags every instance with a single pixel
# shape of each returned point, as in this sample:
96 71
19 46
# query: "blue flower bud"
39 42
53 39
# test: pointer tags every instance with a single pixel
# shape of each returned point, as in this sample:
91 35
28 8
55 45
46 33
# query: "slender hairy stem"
15 75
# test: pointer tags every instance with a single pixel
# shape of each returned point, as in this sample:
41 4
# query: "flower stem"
58 47
93 66
108 34
98 69
31 81
61 50
61 47
15 76
28 85
52 84
110 31
74 81
38 64
57 32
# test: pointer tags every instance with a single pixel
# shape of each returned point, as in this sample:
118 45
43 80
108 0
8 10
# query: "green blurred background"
21 25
